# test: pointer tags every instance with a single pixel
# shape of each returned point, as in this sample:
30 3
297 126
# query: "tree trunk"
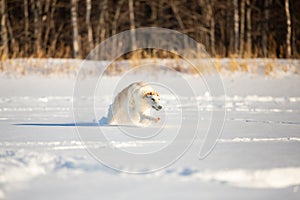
288 29
221 47
116 17
236 26
76 39
50 10
211 19
101 26
14 46
229 29
88 24
265 27
177 16
249 28
132 23
154 11
53 45
242 27
26 19
36 8
294 31
4 34
115 23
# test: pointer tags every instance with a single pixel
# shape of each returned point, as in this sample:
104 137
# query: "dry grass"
38 64
218 64
244 66
234 66
269 68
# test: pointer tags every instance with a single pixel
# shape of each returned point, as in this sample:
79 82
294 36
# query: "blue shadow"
102 122
61 124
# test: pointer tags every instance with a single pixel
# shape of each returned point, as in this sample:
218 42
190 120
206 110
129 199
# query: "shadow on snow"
102 122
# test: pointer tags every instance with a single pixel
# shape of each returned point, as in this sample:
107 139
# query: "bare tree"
249 28
26 20
154 11
265 26
116 17
101 26
242 27
177 16
132 23
37 10
236 26
115 24
211 19
229 38
88 23
288 29
76 39
14 46
4 33
228 27
294 29
50 8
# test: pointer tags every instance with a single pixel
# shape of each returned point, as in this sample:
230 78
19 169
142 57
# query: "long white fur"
132 105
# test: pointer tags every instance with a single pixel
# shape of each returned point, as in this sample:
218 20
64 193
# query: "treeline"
71 28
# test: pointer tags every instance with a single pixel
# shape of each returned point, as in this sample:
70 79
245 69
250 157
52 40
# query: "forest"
227 28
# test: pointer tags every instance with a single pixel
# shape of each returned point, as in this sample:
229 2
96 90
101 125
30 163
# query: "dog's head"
153 99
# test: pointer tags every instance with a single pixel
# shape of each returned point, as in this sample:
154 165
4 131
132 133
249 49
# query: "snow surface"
256 157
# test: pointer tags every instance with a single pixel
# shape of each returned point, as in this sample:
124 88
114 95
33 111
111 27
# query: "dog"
133 104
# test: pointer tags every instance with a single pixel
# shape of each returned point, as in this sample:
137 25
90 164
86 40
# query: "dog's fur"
132 105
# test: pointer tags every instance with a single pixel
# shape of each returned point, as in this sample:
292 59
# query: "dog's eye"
153 99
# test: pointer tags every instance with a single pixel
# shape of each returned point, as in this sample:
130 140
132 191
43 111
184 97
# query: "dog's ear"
154 93
151 93
146 94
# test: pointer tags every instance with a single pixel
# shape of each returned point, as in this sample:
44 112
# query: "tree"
288 29
265 27
4 33
26 29
211 19
249 28
76 40
242 27
88 24
37 10
230 27
132 23
236 26
101 26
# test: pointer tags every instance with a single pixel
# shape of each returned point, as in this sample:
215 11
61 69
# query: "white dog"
132 105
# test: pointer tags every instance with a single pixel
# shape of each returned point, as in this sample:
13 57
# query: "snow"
256 157
270 178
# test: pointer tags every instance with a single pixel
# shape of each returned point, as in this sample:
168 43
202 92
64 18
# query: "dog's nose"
159 107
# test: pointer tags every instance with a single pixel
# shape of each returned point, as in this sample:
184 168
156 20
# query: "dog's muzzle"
157 108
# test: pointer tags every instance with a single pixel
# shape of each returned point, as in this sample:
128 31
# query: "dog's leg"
147 117
110 117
